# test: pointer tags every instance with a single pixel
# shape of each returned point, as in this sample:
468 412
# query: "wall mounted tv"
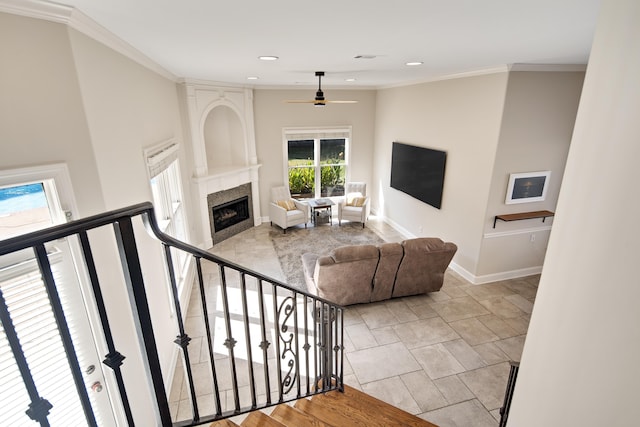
419 172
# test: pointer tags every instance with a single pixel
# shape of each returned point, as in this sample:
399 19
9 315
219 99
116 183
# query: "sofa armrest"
304 207
309 262
278 214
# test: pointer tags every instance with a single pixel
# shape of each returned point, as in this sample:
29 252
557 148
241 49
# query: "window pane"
23 208
332 151
332 181
300 152
302 181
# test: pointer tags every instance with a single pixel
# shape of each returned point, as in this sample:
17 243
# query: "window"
164 170
316 161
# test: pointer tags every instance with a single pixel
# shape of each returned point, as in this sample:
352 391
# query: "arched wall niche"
224 138
223 142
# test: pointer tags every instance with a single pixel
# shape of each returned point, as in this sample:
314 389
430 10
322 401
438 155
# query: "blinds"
302 134
32 316
160 158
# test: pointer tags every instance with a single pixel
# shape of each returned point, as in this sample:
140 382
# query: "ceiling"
221 40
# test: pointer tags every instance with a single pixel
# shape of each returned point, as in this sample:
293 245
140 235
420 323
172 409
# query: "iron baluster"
230 342
113 359
264 344
245 310
277 340
65 334
127 248
207 326
182 340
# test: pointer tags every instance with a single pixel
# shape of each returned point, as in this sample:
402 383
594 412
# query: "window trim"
300 133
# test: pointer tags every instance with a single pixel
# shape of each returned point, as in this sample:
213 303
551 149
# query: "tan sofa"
367 273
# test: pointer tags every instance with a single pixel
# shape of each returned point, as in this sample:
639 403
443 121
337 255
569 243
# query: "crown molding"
480 72
73 18
548 67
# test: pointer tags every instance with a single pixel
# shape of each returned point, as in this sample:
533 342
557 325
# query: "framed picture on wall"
527 187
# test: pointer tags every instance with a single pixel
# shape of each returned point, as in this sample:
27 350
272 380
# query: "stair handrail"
325 313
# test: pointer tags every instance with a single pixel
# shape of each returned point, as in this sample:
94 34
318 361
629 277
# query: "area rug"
289 247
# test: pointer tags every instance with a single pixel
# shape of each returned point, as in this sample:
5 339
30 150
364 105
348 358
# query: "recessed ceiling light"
351 79
268 58
414 63
252 78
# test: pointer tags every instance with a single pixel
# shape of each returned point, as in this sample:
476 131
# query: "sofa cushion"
345 276
385 276
423 265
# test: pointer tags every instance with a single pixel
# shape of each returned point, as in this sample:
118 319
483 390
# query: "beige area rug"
289 247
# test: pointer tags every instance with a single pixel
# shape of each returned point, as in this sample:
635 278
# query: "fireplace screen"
230 213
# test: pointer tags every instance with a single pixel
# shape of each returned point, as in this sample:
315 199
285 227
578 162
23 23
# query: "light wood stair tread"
223 423
333 415
373 411
352 396
293 417
260 419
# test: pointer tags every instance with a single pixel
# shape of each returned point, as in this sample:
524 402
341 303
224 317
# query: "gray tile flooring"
442 356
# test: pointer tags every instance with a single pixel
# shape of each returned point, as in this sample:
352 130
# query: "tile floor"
442 356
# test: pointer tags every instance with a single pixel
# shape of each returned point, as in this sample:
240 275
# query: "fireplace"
230 212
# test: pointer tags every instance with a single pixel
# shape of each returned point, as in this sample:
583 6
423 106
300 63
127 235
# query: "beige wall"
128 109
537 123
272 115
580 361
42 118
462 117
66 98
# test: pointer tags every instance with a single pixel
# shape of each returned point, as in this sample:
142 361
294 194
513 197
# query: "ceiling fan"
319 100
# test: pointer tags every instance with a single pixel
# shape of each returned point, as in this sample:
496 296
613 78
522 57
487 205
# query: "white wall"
462 117
580 361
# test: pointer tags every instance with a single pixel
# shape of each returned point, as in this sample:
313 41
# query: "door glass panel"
333 167
301 168
23 208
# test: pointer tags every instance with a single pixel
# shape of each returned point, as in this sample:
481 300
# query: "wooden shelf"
523 215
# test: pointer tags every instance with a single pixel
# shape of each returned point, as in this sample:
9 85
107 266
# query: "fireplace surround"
230 212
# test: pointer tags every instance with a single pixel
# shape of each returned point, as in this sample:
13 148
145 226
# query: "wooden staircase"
352 408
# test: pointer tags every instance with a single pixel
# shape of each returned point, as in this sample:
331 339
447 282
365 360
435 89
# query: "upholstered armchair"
286 211
355 204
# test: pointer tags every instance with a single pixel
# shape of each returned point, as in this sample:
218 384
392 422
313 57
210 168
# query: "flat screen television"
418 172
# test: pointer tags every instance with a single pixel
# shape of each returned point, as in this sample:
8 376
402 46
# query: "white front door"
32 199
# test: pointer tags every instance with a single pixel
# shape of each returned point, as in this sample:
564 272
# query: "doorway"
32 199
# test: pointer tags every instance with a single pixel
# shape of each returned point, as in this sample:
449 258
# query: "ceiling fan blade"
341 102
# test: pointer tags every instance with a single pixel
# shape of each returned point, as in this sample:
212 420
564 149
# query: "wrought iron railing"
508 394
260 342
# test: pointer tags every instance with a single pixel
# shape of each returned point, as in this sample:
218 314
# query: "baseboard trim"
466 274
494 277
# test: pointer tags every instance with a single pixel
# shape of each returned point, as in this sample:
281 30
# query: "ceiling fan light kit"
319 100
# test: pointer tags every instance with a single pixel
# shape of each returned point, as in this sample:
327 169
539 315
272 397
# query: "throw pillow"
288 205
357 202
352 196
